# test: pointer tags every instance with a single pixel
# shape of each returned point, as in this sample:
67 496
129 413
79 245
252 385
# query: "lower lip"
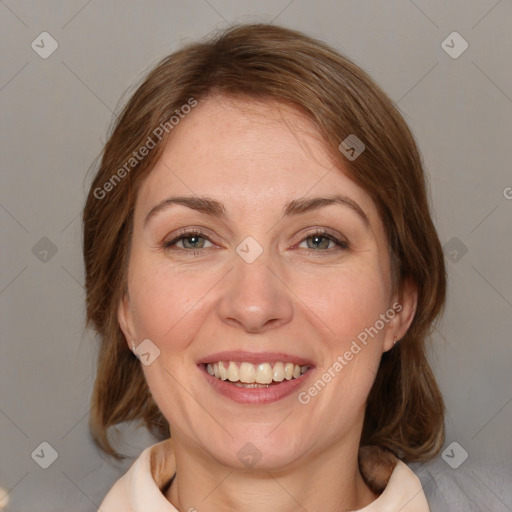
268 395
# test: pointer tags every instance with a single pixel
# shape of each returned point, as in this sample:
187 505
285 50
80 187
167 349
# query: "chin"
257 449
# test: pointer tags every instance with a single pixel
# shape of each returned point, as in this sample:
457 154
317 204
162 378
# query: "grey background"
55 117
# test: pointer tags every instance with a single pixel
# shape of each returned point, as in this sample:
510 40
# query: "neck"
203 484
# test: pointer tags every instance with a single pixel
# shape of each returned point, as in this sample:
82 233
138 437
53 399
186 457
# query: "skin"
298 297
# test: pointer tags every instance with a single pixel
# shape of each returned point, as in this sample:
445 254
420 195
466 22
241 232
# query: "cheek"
348 301
163 301
349 304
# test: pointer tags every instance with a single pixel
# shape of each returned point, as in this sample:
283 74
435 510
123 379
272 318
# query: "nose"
254 296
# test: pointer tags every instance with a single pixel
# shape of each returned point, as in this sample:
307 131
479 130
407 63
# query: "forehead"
250 155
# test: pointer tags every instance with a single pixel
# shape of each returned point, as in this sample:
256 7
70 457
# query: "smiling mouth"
248 375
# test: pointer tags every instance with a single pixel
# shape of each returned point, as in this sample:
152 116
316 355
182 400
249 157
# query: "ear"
404 307
125 319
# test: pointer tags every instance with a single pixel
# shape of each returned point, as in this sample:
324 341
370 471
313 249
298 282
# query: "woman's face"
271 281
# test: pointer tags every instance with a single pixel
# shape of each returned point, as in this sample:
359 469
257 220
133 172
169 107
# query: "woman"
263 271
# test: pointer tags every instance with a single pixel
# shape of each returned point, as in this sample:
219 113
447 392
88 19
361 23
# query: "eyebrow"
215 208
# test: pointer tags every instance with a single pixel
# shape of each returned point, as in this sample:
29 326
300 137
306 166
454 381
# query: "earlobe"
405 308
124 317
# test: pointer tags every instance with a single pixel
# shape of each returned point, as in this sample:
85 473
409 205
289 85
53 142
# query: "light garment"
140 488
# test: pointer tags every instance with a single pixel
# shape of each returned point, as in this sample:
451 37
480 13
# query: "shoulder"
140 487
399 488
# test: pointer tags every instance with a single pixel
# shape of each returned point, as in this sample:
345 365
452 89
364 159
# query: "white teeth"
223 373
233 373
288 371
264 373
248 375
278 372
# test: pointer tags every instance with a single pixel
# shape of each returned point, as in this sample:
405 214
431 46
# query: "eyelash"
167 245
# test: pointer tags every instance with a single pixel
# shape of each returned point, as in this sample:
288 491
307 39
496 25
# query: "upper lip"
254 357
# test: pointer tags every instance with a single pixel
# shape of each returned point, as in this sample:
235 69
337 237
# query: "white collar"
139 489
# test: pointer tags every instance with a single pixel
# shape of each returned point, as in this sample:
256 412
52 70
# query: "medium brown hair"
405 410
